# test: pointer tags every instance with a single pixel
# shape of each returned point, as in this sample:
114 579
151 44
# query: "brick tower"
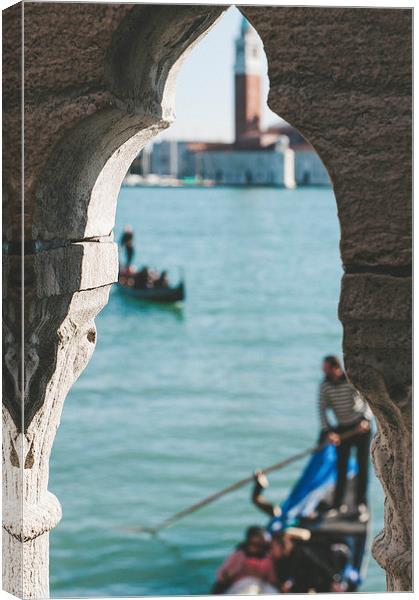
247 81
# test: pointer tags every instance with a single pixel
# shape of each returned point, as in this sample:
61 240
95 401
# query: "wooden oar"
235 486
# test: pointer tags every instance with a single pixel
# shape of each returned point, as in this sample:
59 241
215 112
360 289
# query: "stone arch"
89 162
88 107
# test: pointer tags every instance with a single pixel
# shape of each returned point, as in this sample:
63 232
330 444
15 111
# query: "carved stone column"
376 313
65 294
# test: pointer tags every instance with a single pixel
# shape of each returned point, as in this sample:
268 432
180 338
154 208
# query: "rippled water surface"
177 403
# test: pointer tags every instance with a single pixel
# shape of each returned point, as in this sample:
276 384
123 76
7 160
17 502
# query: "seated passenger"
124 273
308 566
252 558
282 547
141 278
162 281
152 278
302 564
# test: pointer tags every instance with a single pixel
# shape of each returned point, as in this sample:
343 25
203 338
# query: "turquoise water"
177 403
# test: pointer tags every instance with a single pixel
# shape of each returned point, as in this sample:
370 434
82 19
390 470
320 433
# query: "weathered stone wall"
99 83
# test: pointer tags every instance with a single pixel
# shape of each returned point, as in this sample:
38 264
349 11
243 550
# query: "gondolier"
351 412
127 242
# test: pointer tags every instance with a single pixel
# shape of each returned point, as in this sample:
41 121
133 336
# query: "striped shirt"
344 401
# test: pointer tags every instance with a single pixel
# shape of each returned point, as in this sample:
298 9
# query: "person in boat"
141 278
302 564
352 414
162 281
306 566
259 500
145 278
252 558
127 242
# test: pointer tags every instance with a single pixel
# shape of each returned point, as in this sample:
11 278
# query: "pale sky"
204 88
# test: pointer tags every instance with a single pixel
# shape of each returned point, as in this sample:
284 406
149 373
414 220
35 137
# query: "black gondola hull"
168 295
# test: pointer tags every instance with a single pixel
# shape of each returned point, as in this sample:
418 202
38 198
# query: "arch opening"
119 158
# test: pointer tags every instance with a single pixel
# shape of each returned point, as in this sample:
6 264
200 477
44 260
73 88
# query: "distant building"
309 169
163 158
171 158
278 156
248 167
255 157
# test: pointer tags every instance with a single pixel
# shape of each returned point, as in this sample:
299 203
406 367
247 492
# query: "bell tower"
247 81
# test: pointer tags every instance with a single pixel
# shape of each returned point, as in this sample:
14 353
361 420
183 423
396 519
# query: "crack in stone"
393 271
37 246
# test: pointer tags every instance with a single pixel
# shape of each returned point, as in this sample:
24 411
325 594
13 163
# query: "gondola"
303 508
133 283
168 295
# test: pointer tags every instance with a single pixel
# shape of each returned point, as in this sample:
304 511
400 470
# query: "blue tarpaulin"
317 480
